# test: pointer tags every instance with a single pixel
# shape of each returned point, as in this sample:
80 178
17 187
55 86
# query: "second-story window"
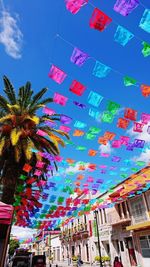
138 210
101 217
119 210
105 218
124 209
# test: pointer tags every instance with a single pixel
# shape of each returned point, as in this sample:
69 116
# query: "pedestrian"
79 261
117 262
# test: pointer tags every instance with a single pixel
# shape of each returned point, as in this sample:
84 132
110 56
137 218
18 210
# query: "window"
73 251
124 209
128 208
105 218
148 200
145 246
138 210
87 252
101 217
80 250
119 210
121 245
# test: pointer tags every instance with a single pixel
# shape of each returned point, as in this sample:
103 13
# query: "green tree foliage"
13 245
20 120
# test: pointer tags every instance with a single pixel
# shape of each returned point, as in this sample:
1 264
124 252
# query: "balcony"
75 233
114 218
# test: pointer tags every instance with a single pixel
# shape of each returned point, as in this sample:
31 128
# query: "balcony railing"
75 233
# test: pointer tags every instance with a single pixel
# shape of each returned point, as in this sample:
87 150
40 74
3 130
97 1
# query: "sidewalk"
65 264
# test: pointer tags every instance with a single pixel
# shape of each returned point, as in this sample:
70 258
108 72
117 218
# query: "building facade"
124 227
125 230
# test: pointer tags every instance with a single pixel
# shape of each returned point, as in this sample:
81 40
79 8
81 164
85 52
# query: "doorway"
131 252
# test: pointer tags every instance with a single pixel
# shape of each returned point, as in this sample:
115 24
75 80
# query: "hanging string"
116 23
94 59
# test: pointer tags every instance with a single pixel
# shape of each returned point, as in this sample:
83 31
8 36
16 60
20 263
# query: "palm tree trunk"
8 193
8 181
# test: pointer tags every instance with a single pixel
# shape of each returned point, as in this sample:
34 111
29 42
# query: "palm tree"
19 140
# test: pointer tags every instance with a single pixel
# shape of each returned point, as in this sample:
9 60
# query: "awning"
138 226
6 212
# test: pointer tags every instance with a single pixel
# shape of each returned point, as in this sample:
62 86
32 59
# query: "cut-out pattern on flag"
107 117
128 81
146 49
145 118
94 113
113 107
122 35
80 124
79 105
145 21
65 119
60 99
57 74
138 143
109 135
123 123
138 127
125 7
78 133
77 88
75 5
145 89
94 99
49 111
41 132
100 70
99 20
64 128
130 114
78 57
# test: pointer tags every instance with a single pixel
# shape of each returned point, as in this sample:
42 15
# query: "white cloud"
10 35
144 135
22 233
75 168
144 156
105 148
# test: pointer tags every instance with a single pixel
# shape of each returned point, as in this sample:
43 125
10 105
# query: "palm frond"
35 119
27 95
46 101
2 144
14 136
21 96
18 152
56 140
37 97
35 108
28 145
9 90
61 133
3 104
6 118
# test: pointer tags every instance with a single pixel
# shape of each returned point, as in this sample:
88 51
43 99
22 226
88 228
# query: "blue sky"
34 26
